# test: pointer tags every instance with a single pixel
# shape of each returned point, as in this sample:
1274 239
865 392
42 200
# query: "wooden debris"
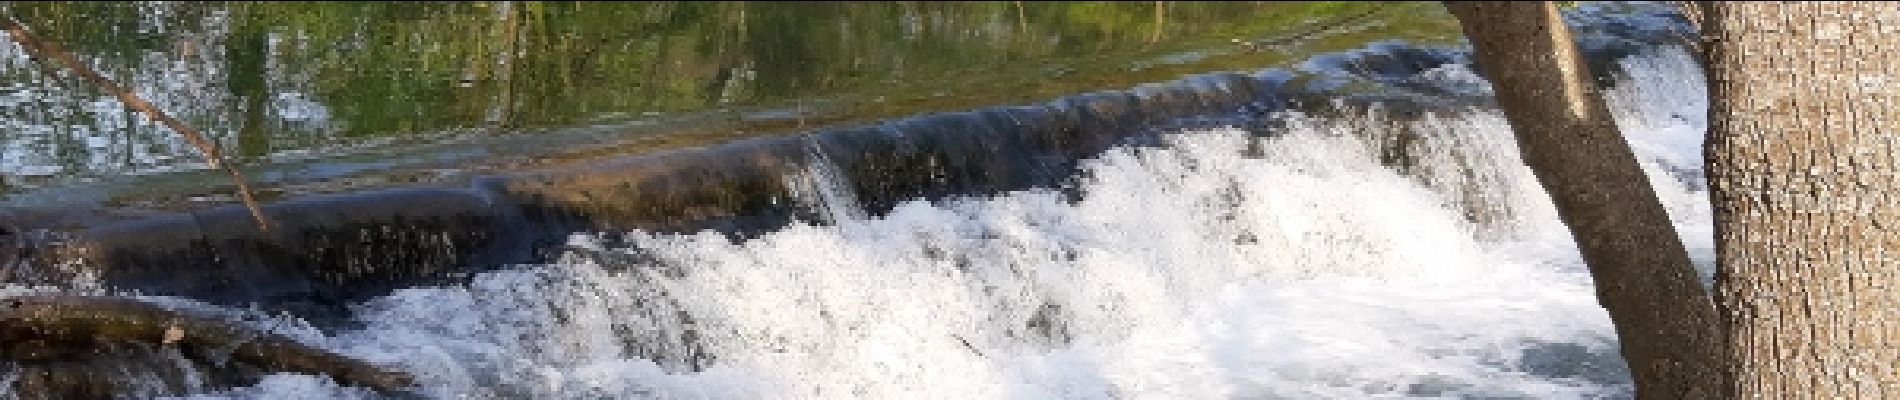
53 329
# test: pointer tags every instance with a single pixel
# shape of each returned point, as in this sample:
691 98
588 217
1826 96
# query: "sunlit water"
1221 265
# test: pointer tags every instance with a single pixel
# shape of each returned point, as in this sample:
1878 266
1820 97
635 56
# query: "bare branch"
40 49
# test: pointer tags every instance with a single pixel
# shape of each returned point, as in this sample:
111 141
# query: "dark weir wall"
325 252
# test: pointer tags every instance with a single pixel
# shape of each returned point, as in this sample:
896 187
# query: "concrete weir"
330 250
327 252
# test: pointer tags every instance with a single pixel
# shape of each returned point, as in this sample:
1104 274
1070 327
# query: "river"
1303 252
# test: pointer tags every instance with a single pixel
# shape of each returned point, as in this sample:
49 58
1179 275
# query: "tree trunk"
1666 323
1804 173
1161 21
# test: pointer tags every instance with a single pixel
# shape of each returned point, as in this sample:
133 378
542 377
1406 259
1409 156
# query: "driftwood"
51 333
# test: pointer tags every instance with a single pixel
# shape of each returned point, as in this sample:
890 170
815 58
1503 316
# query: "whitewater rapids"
1221 264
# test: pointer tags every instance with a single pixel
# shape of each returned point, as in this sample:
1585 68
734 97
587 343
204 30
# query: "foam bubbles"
1222 264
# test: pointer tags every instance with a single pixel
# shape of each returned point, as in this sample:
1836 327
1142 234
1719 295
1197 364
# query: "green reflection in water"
280 81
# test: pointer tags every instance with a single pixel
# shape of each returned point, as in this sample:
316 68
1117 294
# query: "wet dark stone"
323 252
11 248
1575 361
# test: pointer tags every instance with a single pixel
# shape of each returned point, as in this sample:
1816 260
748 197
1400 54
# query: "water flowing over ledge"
1145 245
334 244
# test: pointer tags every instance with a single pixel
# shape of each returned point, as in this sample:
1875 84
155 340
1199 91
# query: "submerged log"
60 342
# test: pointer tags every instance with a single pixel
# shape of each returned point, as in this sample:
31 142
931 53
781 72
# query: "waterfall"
1359 225
1218 263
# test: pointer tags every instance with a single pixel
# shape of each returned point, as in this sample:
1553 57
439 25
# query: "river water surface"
1197 269
1293 259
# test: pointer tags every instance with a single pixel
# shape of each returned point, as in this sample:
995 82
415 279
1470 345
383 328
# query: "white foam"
1193 270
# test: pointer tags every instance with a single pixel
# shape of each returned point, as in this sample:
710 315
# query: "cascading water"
1299 263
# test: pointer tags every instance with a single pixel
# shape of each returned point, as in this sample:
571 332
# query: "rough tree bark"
1666 323
1804 173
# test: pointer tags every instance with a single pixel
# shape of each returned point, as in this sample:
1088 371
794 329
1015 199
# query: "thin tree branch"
39 49
1161 20
1022 20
